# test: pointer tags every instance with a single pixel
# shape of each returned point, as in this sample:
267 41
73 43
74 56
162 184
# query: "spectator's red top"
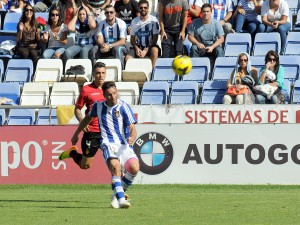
89 94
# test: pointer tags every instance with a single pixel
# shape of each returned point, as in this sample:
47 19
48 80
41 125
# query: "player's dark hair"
98 65
108 84
206 5
143 2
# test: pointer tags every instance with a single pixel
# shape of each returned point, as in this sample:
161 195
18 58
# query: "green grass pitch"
151 204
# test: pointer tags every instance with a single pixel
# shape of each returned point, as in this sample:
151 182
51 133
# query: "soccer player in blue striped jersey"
118 133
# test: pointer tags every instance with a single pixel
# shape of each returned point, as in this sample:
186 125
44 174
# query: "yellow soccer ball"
182 65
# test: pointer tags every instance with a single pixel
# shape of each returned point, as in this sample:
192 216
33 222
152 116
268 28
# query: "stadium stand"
200 70
258 62
237 43
35 94
113 69
21 117
10 23
128 92
296 93
264 42
2 117
291 66
19 70
10 91
223 68
64 93
48 70
163 71
184 92
155 93
47 117
78 78
292 44
1 70
213 92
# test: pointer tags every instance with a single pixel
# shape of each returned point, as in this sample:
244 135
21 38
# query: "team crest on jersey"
117 113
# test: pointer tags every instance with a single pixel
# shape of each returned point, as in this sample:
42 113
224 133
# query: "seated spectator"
28 36
275 18
194 11
272 67
127 10
206 35
68 9
15 5
144 35
243 68
247 16
97 7
111 37
84 25
55 34
222 11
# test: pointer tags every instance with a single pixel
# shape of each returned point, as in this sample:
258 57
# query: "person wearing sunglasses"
28 35
55 34
242 70
272 69
111 37
144 34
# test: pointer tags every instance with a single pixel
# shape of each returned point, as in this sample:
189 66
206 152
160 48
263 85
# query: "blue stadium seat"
155 93
223 68
291 66
258 62
292 46
213 92
11 21
21 117
265 42
287 85
200 71
296 93
1 69
163 70
237 43
2 116
11 91
184 92
19 70
46 116
44 15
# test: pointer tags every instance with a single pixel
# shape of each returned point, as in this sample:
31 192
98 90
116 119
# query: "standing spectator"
111 37
206 35
222 11
127 10
55 34
272 67
84 25
144 35
28 36
172 21
247 15
275 18
194 11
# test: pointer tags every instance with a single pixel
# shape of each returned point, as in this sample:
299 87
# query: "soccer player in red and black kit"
91 138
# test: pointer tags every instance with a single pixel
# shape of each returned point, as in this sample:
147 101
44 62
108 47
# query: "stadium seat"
237 43
19 70
213 92
35 94
138 70
258 62
184 92
291 66
287 85
64 93
78 78
295 99
11 21
155 93
2 117
11 91
21 117
47 116
264 42
224 67
200 70
163 71
128 92
48 70
113 69
292 46
1 69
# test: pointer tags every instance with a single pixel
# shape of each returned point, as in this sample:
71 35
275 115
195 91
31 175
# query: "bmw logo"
154 151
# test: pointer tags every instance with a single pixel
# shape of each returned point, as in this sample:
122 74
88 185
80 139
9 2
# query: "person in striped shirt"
117 136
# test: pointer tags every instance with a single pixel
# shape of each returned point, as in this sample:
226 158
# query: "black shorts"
90 143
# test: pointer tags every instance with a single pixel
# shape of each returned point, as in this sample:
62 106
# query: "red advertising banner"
29 155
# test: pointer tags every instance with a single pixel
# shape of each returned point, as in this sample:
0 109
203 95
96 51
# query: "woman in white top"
55 34
275 17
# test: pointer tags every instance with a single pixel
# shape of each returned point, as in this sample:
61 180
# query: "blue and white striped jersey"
114 33
144 30
83 34
220 8
113 121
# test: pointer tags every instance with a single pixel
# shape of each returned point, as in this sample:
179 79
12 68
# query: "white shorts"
121 152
